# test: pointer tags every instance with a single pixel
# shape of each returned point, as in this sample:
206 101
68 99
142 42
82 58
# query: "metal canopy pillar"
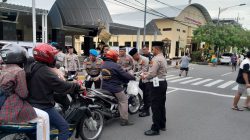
138 38
44 28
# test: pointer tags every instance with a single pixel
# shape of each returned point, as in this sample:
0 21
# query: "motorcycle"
109 103
84 119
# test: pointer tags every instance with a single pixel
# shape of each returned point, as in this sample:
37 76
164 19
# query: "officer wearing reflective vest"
158 87
92 65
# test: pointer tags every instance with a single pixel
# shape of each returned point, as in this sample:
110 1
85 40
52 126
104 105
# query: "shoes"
180 75
151 133
144 114
126 123
163 129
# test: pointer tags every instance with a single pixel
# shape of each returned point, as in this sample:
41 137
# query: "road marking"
169 76
175 77
181 79
235 88
205 92
172 91
189 81
226 73
213 83
226 84
201 82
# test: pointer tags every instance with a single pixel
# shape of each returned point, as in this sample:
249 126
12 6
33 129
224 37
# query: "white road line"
189 81
205 92
213 83
226 84
226 73
235 88
181 79
175 77
201 82
169 76
172 91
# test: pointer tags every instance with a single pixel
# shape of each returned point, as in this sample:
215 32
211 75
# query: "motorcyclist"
114 76
15 108
43 82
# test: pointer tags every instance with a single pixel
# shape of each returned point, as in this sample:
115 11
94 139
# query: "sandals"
236 108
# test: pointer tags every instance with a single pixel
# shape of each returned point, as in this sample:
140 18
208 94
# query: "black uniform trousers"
158 100
145 87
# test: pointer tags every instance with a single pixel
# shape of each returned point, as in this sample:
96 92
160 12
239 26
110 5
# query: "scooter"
86 120
109 103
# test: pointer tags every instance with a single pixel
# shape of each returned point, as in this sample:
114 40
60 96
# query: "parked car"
226 58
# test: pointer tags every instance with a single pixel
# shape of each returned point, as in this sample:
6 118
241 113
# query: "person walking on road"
141 64
184 64
234 62
72 64
243 80
158 87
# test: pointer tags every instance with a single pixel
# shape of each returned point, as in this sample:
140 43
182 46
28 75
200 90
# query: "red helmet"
112 54
45 53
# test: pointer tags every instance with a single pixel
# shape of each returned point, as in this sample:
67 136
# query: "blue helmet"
93 52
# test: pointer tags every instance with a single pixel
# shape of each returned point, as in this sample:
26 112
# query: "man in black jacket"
43 82
114 76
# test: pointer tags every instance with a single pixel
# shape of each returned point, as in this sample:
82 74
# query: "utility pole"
145 18
34 21
190 1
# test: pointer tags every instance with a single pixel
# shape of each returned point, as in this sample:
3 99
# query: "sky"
243 12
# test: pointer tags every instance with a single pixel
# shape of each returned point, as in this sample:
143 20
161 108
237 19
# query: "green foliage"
196 56
223 36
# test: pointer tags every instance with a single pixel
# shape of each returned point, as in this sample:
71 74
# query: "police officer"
125 60
146 53
141 65
92 65
72 64
158 87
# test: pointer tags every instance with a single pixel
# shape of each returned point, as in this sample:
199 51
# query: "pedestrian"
243 83
184 64
72 64
234 62
214 60
141 65
146 53
60 55
158 88
125 60
92 65
114 77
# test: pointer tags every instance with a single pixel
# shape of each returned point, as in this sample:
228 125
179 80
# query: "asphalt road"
197 109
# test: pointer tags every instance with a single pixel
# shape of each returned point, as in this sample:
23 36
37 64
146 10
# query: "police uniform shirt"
141 65
72 62
92 68
244 68
126 62
158 67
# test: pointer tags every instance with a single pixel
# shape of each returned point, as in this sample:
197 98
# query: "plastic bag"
133 87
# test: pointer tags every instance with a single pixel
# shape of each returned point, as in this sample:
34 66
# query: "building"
175 24
226 21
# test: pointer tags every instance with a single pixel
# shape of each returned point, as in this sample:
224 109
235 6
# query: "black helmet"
13 54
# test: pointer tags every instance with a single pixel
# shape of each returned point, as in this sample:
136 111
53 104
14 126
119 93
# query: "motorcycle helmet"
45 53
14 54
112 54
93 52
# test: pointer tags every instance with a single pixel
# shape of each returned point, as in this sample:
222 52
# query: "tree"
223 36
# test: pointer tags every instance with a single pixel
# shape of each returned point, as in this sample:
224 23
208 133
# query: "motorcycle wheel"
15 137
134 103
86 133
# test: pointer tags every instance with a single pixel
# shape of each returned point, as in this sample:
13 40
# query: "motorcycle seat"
105 92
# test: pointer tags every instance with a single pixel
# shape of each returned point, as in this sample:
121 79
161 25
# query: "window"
167 29
110 43
134 44
184 31
115 44
178 30
128 44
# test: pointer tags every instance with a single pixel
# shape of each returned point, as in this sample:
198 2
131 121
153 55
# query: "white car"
226 58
